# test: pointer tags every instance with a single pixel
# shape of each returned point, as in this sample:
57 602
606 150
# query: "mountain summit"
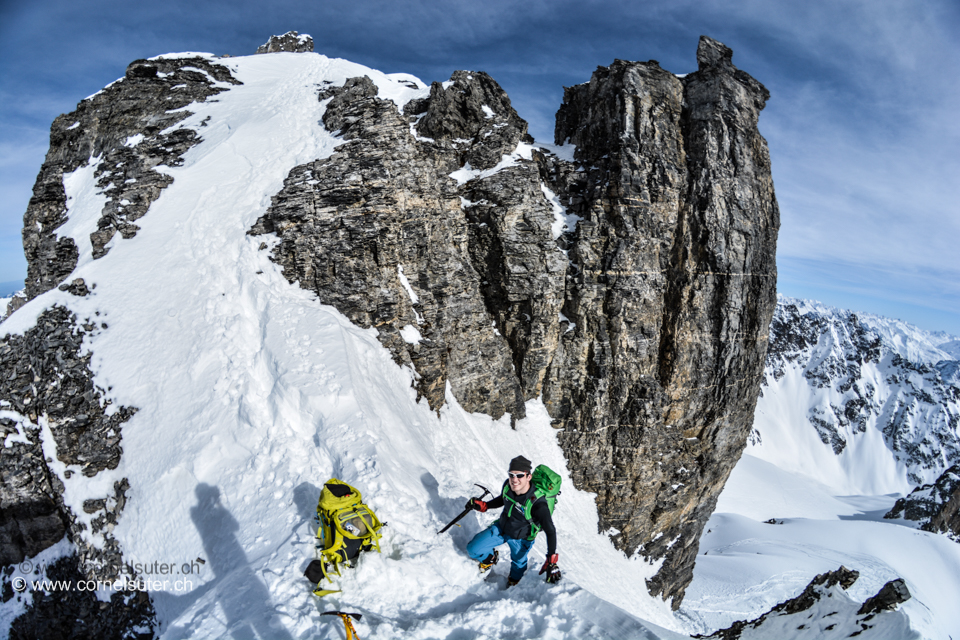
249 274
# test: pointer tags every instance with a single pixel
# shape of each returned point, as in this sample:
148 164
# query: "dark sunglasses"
517 475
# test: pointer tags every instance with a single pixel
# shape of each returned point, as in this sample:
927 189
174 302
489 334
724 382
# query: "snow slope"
251 394
745 566
828 507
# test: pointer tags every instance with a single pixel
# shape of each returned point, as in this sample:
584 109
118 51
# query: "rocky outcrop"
673 291
890 595
79 614
643 328
290 41
935 506
50 407
48 385
17 300
127 130
823 610
379 230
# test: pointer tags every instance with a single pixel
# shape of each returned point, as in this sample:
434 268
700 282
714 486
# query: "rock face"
673 291
935 506
81 614
890 595
643 328
378 231
290 41
48 385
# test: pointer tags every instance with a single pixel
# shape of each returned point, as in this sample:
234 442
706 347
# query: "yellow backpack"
346 527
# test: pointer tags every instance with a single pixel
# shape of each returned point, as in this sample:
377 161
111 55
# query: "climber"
529 500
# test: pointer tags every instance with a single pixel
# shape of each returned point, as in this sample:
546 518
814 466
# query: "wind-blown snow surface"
251 394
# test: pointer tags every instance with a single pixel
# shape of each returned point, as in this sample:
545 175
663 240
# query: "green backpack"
546 485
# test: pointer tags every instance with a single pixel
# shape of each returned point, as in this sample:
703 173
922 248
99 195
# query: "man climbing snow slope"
524 515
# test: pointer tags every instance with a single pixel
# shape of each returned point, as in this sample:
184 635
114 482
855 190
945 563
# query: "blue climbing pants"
487 540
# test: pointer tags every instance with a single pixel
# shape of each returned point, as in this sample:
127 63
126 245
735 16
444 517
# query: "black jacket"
514 524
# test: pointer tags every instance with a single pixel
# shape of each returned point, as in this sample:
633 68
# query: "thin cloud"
861 122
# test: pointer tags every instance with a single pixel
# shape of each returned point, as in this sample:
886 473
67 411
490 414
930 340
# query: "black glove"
553 571
476 504
553 574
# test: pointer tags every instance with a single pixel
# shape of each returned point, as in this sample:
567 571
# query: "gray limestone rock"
472 114
290 41
47 374
18 300
30 516
81 614
672 295
77 287
890 595
822 610
381 215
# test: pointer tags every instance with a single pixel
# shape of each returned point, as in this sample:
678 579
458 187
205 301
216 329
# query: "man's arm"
496 503
541 515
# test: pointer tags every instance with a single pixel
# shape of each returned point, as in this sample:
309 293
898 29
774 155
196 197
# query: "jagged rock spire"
290 41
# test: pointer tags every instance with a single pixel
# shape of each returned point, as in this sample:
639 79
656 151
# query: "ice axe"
467 510
345 616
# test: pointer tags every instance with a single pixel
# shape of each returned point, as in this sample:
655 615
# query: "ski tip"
324 592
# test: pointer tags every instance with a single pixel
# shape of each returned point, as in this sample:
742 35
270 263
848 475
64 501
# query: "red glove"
554 559
477 504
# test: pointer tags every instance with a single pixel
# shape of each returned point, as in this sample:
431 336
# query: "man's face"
519 481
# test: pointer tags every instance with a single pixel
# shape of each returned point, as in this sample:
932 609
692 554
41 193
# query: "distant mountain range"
7 289
863 403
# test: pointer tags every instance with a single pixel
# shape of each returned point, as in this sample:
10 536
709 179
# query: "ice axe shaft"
347 625
467 510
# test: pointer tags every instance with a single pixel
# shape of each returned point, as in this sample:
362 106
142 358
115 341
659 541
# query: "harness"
526 509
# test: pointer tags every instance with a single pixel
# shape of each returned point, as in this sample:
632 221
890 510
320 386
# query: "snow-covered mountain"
862 403
174 396
854 409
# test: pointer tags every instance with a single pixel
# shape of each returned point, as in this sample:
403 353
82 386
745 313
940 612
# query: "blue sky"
862 122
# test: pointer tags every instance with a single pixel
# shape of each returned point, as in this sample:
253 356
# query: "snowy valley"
175 395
